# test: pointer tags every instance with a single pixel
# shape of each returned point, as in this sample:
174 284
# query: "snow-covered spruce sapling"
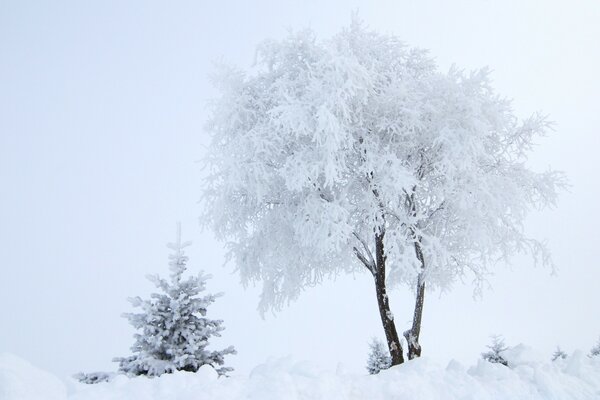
559 354
357 153
494 355
595 351
94 377
174 331
379 357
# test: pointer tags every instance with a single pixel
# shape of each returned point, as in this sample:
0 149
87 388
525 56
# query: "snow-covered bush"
595 351
379 358
559 354
93 377
494 355
174 328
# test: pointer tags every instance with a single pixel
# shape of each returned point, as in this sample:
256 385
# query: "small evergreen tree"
595 351
559 354
379 357
173 324
494 355
93 377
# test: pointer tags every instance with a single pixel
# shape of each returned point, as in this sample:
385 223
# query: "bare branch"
366 262
366 247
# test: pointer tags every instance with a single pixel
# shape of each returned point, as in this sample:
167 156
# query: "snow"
19 380
530 377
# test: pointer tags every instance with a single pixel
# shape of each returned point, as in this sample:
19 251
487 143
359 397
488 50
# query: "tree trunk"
412 335
387 318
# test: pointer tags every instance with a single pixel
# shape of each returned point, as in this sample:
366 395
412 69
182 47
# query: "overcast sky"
102 106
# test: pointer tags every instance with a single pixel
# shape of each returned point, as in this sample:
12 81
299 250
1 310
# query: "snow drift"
20 380
530 377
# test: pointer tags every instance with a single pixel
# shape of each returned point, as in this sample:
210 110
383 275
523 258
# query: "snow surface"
530 377
19 380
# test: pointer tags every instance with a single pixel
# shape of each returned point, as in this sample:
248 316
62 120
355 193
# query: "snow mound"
20 380
530 377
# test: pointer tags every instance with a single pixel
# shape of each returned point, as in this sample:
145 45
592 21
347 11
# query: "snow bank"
20 380
530 377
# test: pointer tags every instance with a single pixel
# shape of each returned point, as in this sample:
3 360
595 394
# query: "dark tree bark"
387 318
412 335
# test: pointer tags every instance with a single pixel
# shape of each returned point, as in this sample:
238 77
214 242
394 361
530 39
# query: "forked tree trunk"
387 318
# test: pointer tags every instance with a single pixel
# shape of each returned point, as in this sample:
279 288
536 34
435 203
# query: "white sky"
101 114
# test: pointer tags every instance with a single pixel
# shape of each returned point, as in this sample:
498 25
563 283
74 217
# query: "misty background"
102 106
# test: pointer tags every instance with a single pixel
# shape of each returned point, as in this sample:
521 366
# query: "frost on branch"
325 143
174 331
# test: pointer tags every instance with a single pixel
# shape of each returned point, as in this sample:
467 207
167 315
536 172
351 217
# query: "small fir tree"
559 354
494 355
379 357
174 331
94 377
595 351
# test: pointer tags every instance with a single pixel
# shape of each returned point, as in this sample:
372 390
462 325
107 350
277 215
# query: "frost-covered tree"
559 354
174 330
494 355
595 351
379 357
358 153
